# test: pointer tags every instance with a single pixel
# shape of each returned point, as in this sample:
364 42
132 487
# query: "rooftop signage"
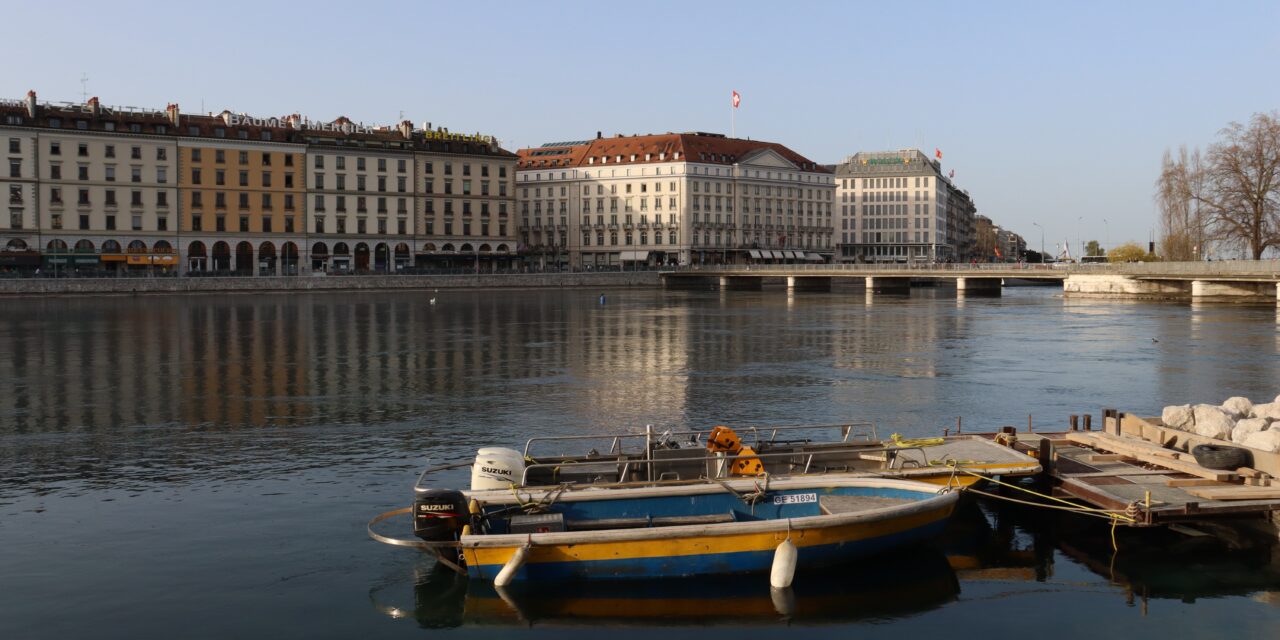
104 110
305 123
442 134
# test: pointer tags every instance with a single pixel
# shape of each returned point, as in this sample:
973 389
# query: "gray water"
203 466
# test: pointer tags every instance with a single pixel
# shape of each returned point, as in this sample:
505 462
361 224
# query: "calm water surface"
203 466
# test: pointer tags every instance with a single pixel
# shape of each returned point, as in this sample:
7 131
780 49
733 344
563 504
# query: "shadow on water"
985 542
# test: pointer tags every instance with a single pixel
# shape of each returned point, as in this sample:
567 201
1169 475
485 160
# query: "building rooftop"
701 147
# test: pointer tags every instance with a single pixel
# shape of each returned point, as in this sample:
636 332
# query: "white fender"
513 565
784 565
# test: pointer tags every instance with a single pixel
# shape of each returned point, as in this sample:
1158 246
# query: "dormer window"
647 156
618 158
591 160
633 157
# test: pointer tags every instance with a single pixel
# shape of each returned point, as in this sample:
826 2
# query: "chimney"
172 110
599 135
31 104
93 106
406 129
426 126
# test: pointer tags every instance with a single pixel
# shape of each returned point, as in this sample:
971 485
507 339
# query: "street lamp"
1079 239
1107 228
1041 241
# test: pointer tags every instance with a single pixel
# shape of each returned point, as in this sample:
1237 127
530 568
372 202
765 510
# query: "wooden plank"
1145 452
1104 457
1128 471
1190 482
1152 430
1235 493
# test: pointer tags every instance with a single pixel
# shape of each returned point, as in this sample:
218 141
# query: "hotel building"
674 198
466 201
897 206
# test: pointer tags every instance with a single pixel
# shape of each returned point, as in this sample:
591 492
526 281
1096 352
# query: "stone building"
466 201
674 198
898 206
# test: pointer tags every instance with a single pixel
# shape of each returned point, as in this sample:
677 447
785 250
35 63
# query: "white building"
674 198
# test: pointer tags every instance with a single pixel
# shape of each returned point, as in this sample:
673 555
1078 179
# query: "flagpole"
733 119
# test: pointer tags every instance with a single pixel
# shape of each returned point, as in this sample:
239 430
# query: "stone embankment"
93 286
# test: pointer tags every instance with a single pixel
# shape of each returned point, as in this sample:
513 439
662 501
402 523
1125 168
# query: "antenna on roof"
84 87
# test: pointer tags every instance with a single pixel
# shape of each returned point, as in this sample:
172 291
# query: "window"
288 202
15 145
55 221
266 201
220 200
195 155
111 222
320 224
135 174
84 197
135 198
219 132
84 221
266 225
319 163
55 195
382 164
244 223
288 180
15 168
220 224
266 159
342 162
288 159
400 166
197 222
162 198
401 227
426 168
111 151
162 224
137 223
244 157
162 175
361 226
161 154
244 201
244 178
82 150
219 156
111 197
135 153
382 225
266 179
195 176
110 173
220 177
288 225
359 164
55 148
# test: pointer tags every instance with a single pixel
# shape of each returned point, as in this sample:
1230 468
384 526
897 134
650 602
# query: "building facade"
675 198
242 196
466 202
97 188
897 206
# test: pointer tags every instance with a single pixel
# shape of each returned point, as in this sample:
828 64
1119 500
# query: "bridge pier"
967 286
808 283
741 283
1228 291
1118 286
881 284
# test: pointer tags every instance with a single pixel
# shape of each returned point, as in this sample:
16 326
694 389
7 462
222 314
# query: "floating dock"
1137 468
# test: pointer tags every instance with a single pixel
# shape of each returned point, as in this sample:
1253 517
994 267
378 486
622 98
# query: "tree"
1129 252
1093 248
1231 194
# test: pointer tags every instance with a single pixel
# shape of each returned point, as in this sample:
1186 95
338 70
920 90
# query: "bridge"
1227 280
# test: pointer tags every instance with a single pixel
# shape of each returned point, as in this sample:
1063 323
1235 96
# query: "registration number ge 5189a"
796 498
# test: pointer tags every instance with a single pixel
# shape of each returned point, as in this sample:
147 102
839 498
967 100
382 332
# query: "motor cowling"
439 514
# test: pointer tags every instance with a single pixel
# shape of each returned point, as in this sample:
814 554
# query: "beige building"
672 199
19 228
466 202
107 188
897 206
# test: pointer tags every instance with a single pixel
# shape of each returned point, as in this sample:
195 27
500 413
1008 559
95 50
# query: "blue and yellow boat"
737 526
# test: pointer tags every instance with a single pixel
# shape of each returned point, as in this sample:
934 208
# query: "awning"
772 255
789 255
754 253
634 256
813 257
113 258
86 259
20 259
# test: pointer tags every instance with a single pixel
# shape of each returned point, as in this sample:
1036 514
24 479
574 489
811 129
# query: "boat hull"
710 549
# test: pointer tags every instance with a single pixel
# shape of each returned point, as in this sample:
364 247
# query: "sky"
1054 114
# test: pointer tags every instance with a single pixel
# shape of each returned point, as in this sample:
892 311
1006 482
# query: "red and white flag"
953 174
937 153
737 99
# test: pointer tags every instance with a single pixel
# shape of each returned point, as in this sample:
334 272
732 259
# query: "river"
203 465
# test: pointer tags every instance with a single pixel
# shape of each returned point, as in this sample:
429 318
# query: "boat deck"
851 504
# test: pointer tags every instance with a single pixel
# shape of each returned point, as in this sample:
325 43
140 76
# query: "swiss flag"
937 153
737 99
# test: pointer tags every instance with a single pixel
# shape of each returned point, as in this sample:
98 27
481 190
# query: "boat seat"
847 504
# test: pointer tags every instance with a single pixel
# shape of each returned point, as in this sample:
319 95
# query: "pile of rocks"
1237 420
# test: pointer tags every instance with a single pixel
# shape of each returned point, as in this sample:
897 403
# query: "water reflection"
915 581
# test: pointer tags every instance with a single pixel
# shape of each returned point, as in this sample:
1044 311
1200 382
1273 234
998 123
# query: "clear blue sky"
1047 112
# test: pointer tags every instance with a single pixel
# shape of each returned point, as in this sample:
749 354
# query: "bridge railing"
1223 268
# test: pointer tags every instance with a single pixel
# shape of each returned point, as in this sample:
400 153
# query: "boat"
676 509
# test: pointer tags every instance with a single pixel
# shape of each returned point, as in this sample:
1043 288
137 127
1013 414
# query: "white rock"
1269 411
1268 440
1248 427
1237 407
1178 416
1212 422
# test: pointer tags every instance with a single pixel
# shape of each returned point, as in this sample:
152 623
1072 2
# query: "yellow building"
242 202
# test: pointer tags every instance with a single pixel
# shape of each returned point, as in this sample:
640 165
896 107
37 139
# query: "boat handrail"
707 457
847 430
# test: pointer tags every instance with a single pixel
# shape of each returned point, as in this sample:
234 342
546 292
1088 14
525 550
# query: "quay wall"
128 286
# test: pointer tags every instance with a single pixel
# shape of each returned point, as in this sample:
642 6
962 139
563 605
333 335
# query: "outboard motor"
438 514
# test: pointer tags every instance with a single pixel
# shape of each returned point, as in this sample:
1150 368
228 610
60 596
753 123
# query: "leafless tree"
1230 195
